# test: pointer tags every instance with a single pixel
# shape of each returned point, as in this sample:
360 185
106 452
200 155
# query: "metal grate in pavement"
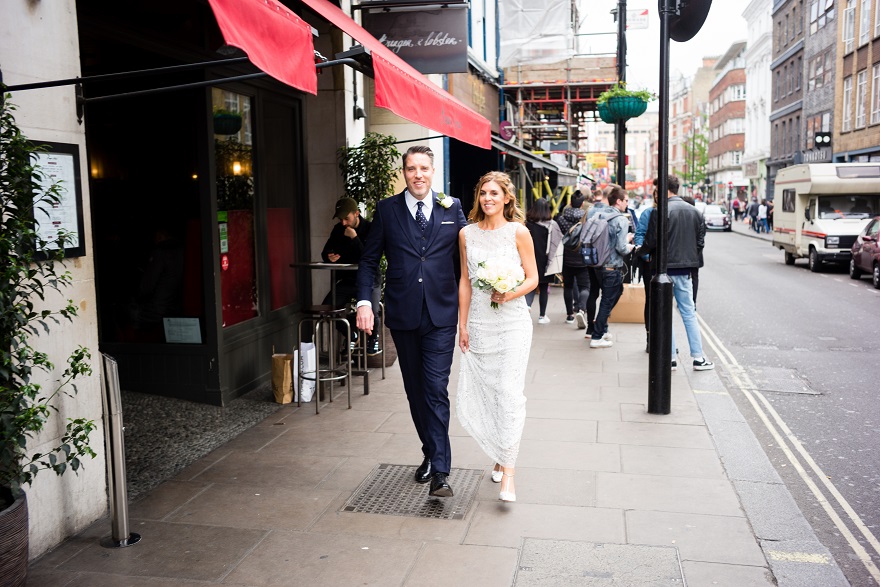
390 490
781 380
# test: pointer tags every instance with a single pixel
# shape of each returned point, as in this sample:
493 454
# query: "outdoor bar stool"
361 357
321 318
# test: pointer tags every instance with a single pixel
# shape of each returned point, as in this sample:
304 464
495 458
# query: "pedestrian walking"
575 273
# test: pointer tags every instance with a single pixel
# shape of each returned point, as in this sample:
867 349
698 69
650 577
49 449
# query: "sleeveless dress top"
490 403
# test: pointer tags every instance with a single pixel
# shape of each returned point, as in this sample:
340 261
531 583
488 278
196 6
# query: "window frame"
846 113
861 98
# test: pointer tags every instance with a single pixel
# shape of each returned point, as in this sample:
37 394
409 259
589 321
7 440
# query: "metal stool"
360 354
325 317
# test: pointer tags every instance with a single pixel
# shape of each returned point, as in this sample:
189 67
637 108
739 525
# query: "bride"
495 342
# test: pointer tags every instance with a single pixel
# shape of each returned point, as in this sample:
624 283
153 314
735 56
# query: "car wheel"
876 277
854 272
728 229
789 258
815 261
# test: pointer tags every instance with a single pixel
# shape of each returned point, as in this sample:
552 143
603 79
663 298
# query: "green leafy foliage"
369 170
31 270
620 90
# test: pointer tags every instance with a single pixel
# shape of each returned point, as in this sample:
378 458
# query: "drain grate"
391 491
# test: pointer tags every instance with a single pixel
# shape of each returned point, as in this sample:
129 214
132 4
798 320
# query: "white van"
820 209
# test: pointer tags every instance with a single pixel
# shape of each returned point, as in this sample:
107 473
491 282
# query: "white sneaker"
600 343
569 319
674 365
581 320
543 320
606 336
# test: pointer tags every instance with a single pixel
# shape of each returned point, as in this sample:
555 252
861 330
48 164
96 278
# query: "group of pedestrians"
632 240
760 215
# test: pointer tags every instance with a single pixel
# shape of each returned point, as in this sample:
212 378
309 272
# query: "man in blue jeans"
687 233
611 274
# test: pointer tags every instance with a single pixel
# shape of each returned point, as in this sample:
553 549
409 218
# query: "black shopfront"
198 203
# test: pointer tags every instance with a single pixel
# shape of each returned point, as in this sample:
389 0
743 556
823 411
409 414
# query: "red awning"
406 92
275 39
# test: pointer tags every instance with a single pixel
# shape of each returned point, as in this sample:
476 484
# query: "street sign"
637 19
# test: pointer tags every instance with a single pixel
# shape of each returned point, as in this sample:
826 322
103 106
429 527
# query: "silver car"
716 218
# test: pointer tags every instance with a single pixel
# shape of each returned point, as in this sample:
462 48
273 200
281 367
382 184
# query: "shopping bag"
307 365
282 377
631 305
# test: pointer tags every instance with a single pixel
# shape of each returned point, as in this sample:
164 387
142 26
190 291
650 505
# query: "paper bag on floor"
306 362
631 305
282 377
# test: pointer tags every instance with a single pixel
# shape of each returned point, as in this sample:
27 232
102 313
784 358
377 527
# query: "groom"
418 233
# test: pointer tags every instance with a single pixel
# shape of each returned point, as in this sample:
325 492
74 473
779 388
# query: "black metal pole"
660 314
620 127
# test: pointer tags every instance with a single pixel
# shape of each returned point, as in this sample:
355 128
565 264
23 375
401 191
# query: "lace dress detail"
490 403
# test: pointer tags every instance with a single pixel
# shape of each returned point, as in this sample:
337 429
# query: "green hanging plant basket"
619 104
226 123
626 107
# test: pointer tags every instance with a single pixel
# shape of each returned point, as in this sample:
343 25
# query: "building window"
877 22
846 122
864 22
861 97
849 25
736 157
798 79
821 12
875 94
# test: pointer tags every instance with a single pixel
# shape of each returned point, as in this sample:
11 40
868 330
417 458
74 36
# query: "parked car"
716 218
866 253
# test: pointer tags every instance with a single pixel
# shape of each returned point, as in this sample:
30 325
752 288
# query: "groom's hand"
365 319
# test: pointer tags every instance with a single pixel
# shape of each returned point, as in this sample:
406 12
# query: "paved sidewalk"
607 494
741 227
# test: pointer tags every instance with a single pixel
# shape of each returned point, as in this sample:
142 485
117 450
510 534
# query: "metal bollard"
115 446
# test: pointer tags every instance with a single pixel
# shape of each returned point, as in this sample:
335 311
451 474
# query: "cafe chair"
322 321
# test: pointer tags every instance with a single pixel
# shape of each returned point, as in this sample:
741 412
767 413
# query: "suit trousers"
425 360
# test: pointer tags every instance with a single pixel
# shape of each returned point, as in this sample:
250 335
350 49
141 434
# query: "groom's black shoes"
423 473
439 486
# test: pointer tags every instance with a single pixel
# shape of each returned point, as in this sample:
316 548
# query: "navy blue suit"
421 308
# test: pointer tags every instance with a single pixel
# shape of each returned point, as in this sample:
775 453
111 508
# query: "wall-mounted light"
195 176
236 168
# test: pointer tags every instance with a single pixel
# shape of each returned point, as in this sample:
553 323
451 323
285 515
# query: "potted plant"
32 268
368 172
619 104
226 122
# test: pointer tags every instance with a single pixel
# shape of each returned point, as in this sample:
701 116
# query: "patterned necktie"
420 216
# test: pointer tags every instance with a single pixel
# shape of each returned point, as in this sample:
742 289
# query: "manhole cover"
391 490
557 562
781 380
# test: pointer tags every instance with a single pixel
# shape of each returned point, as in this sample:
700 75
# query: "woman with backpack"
575 273
546 237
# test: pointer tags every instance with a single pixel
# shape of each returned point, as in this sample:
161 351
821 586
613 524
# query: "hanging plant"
226 122
618 103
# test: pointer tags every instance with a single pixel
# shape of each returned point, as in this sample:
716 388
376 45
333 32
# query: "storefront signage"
637 19
432 41
59 165
182 330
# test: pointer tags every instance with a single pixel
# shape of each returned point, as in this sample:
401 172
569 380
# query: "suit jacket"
413 276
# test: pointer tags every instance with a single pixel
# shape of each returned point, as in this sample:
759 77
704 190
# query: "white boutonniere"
444 200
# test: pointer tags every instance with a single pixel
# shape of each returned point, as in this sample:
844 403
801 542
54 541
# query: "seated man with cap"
345 246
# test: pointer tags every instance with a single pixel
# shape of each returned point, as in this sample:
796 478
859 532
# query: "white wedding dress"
490 403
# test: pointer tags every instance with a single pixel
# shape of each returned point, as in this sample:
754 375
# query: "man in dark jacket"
752 211
345 246
686 238
575 274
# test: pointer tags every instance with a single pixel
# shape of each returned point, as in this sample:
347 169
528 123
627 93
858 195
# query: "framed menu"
59 164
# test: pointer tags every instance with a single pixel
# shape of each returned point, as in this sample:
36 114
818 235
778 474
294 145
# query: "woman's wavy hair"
512 211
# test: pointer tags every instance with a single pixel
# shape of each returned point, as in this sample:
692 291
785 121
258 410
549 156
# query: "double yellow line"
789 444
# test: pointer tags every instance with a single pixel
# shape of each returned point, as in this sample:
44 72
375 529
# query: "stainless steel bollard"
115 446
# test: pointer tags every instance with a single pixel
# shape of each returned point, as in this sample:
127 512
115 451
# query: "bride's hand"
463 339
498 297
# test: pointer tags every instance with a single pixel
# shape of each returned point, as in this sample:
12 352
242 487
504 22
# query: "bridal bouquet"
502 275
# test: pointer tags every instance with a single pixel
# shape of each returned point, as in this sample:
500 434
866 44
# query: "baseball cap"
344 207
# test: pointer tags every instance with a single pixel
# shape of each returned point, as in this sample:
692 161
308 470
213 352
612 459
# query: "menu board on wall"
59 165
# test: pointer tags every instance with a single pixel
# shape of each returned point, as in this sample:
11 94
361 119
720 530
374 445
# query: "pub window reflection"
233 152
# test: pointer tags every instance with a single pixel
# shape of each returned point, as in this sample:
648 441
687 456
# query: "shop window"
234 161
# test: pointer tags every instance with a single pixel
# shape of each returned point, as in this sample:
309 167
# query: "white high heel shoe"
497 474
507 495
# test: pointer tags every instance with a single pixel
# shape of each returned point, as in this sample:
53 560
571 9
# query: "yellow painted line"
799 557
749 390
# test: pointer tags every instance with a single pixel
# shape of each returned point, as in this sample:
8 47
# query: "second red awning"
406 92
